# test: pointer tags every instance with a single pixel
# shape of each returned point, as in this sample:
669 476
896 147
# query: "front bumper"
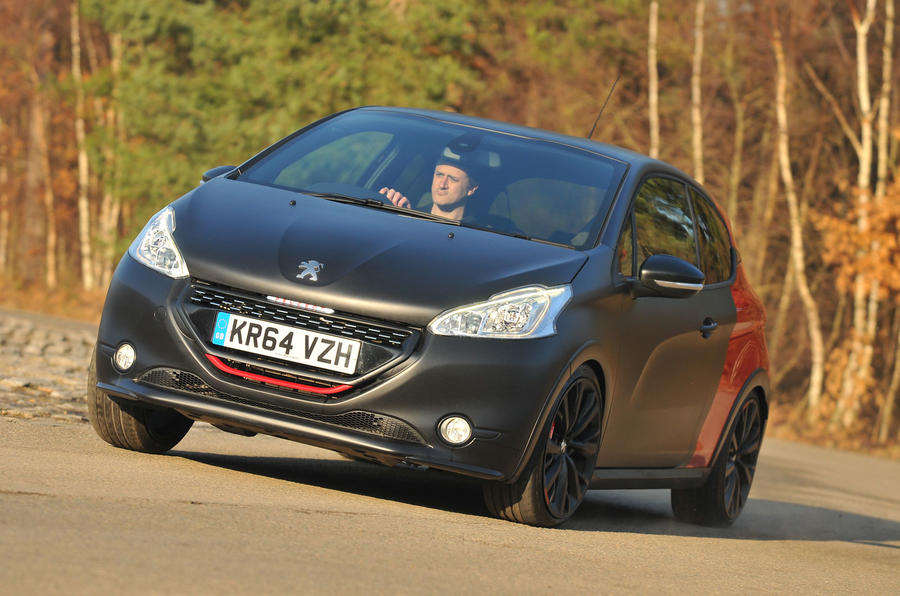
502 386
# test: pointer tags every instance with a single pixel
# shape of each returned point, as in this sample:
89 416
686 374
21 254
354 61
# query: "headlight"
155 247
517 314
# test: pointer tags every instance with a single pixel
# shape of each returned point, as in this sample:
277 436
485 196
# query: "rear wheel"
553 485
722 498
132 426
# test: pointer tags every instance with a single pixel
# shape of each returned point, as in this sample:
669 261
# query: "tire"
553 484
720 500
132 426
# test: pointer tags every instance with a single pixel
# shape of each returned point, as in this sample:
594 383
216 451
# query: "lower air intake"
357 420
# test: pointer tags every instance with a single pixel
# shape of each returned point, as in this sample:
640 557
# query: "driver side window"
663 221
660 222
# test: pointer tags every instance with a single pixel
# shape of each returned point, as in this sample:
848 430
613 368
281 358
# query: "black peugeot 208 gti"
544 313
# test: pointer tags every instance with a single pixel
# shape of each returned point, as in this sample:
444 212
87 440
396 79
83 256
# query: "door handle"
707 328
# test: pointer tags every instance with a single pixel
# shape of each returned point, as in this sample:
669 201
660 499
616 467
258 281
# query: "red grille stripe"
272 381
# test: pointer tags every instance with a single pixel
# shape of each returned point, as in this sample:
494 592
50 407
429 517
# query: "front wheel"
722 497
133 426
553 485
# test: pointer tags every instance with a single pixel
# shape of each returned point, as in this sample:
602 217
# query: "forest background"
785 111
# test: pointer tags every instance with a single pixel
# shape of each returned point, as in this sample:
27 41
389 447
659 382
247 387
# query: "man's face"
450 185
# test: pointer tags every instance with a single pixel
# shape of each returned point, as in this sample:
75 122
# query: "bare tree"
653 78
41 163
887 410
884 111
732 79
865 288
4 201
762 212
851 399
84 211
696 115
857 372
38 228
110 204
798 259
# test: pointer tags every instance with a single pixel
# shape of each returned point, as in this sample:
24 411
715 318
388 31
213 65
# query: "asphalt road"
228 514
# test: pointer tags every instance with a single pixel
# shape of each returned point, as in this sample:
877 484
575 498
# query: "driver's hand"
395 197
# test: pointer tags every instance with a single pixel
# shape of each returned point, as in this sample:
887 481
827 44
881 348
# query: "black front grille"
357 420
221 299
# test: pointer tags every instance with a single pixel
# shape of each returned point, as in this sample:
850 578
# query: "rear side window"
663 222
715 245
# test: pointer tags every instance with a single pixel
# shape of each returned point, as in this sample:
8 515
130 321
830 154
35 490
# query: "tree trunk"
784 301
28 257
884 110
84 210
858 371
4 203
733 82
4 220
93 61
43 156
110 207
887 409
811 309
735 175
884 101
872 309
653 78
105 120
696 114
101 181
764 196
787 284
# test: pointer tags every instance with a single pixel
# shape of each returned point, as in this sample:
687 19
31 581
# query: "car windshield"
542 190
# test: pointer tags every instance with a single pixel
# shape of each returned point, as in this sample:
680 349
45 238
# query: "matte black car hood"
376 263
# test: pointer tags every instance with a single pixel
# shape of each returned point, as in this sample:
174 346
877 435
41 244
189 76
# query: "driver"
452 185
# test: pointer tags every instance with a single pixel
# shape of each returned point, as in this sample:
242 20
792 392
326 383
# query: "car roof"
638 161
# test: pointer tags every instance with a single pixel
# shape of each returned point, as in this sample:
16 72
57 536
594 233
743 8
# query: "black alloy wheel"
571 451
553 486
721 499
743 451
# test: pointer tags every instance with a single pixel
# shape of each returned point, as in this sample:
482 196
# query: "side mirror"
215 173
669 277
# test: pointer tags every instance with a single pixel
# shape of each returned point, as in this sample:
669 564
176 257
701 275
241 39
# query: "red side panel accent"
272 381
746 353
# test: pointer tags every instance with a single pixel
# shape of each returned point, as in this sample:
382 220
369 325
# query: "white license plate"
288 343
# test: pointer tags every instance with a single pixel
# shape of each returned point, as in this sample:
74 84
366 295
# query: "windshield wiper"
369 202
516 235
342 198
420 214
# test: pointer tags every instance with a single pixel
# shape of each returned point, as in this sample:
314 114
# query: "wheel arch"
763 394
598 371
591 355
756 384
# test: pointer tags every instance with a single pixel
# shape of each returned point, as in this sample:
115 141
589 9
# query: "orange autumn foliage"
872 249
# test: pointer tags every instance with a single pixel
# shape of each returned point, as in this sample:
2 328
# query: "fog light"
124 357
456 430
